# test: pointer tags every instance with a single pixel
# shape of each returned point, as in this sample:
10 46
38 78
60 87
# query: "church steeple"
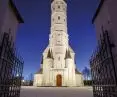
58 57
68 55
50 55
58 34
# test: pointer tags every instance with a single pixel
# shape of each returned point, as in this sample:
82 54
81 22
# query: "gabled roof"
77 72
46 49
16 12
40 71
98 10
71 50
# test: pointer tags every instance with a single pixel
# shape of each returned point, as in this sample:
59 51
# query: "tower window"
63 8
53 8
66 66
59 58
58 17
59 7
52 66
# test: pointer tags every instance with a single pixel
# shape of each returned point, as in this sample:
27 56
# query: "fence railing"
11 68
104 78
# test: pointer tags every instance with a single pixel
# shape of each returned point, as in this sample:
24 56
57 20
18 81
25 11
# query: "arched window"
59 58
58 17
66 66
52 66
59 6
64 9
53 8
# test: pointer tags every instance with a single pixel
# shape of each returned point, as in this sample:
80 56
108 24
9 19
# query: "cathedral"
58 67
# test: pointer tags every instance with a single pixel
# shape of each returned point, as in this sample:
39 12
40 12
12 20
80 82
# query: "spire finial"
50 55
67 55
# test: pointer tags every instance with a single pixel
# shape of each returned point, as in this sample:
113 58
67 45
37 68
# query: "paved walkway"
56 92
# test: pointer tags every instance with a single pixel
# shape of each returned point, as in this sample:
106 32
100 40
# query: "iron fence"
104 78
11 68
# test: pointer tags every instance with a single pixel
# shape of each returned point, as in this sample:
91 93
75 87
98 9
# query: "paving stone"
56 92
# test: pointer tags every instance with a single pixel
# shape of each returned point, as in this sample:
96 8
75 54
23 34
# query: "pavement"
56 92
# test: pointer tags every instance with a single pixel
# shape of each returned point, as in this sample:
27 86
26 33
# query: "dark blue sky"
32 36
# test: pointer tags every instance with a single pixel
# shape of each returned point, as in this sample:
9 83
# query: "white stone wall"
38 79
46 71
71 72
59 35
79 80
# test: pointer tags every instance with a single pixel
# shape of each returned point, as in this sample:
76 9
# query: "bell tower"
58 36
58 65
58 40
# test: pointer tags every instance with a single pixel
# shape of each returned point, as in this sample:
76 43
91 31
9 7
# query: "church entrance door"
58 80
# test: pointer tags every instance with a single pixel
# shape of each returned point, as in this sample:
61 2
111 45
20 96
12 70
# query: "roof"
77 72
15 10
42 60
50 55
98 10
71 50
40 71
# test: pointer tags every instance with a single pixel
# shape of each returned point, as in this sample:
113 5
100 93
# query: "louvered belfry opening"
103 68
11 68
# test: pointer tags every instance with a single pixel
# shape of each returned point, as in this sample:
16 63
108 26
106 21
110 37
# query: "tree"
86 73
31 77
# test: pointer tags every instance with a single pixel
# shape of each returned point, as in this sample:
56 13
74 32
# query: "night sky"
33 35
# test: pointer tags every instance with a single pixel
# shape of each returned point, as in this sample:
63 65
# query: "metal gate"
11 68
103 69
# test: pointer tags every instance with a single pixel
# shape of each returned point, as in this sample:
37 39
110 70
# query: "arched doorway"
58 80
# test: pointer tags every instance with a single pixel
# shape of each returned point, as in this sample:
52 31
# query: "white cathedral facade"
58 66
